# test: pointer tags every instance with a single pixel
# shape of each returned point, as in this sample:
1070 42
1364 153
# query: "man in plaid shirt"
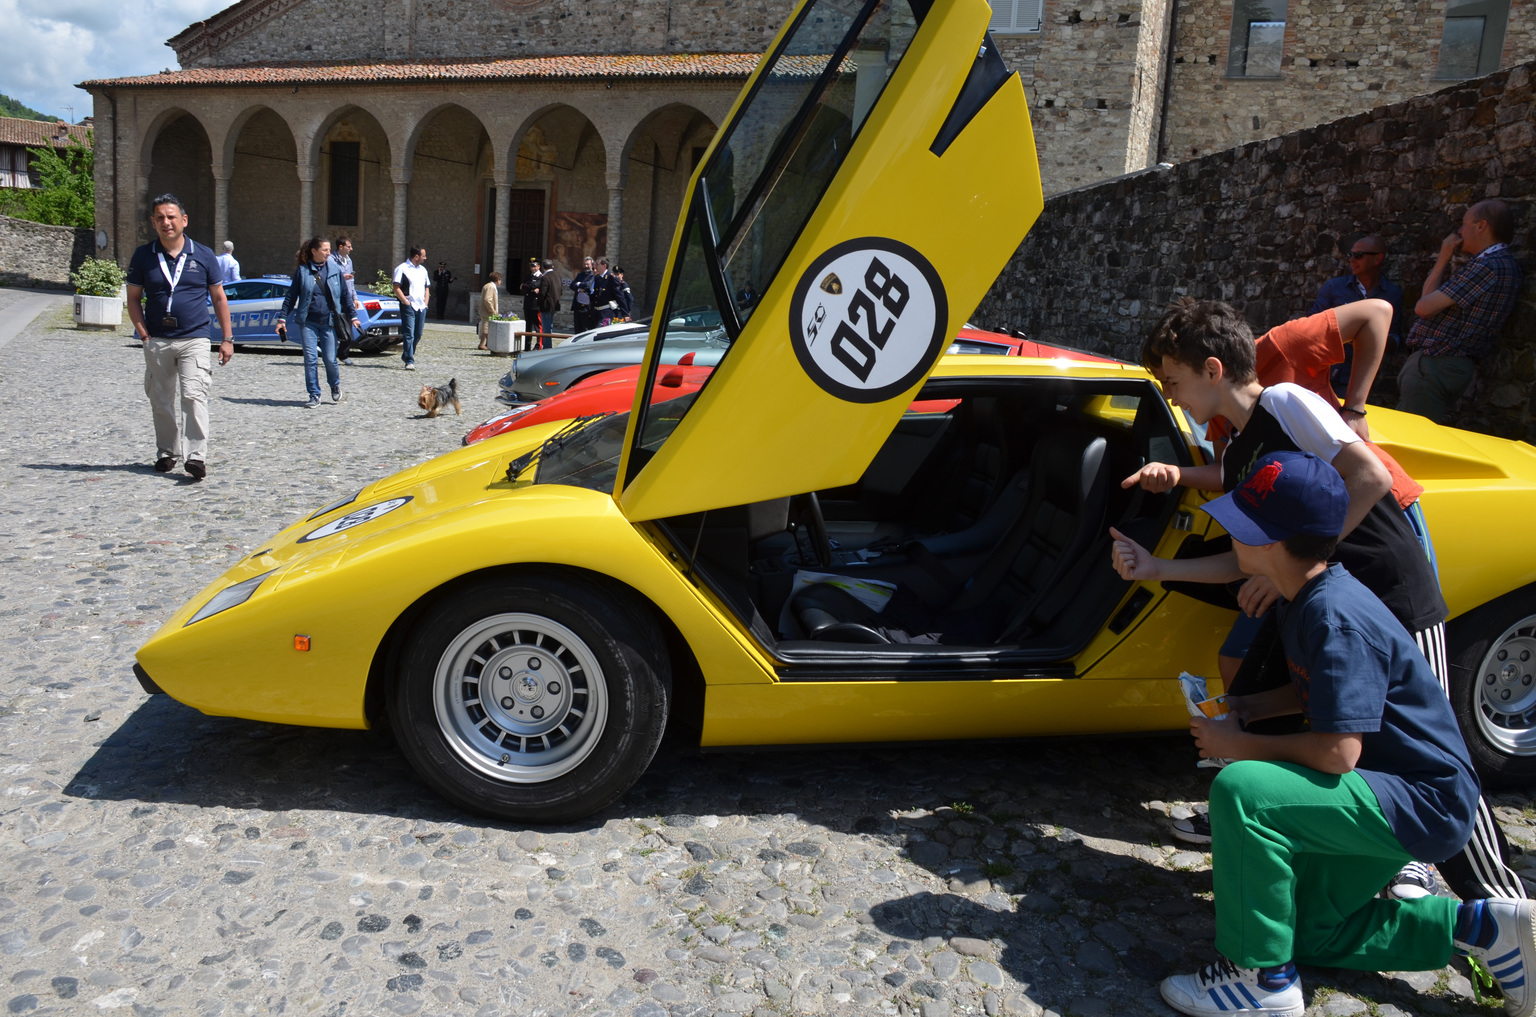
1459 319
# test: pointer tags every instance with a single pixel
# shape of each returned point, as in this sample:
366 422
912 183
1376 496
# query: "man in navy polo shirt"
171 281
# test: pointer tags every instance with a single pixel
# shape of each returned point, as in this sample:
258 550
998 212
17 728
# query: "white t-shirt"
418 279
1312 424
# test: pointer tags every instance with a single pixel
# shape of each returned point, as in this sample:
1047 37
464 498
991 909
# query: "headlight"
230 596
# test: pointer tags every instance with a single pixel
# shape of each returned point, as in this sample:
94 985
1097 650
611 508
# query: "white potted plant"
501 328
99 294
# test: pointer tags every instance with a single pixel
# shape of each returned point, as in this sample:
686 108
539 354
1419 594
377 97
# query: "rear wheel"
538 698
1493 686
373 343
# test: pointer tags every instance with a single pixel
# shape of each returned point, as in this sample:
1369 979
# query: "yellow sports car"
799 552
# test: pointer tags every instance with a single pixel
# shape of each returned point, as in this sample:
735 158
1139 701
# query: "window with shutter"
1014 16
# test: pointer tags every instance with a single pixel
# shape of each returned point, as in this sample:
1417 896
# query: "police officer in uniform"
605 295
623 296
176 280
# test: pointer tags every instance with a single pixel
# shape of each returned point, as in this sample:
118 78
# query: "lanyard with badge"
169 321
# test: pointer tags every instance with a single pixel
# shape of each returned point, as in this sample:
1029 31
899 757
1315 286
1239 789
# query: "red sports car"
614 391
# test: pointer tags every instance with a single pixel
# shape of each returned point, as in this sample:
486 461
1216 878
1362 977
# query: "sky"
53 44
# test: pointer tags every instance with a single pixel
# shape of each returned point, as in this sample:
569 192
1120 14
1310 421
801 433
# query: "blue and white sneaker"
1222 987
1512 956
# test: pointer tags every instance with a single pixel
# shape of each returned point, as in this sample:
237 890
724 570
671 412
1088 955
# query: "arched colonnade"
482 178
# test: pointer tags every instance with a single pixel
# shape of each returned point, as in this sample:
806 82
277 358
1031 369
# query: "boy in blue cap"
1306 827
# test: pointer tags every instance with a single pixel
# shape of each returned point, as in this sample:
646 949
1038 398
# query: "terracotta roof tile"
661 65
36 133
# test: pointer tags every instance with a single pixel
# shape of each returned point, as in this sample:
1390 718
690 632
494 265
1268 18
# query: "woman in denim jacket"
317 295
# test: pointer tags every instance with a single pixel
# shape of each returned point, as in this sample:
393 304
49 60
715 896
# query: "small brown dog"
434 397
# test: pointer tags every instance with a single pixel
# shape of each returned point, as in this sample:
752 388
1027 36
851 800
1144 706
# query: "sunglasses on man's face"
1363 254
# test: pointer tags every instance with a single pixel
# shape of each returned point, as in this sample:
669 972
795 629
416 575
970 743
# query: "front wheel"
1493 686
536 698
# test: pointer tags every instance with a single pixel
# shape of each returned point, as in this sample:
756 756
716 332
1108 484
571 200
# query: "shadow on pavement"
1102 910
254 401
92 467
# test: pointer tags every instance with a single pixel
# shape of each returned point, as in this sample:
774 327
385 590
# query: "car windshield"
590 457
768 173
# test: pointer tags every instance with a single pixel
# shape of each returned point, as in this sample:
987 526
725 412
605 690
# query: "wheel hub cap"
1506 690
529 692
520 698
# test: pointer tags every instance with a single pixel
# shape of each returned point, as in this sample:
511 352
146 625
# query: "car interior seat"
1044 550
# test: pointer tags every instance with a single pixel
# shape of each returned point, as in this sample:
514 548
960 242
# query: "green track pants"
1299 857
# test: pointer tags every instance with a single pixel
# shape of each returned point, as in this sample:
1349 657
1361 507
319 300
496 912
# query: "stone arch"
452 167
658 160
224 146
262 160
178 159
559 190
354 192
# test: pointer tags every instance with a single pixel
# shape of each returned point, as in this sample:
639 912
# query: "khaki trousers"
178 375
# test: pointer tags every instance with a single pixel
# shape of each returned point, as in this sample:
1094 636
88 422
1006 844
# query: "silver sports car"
539 374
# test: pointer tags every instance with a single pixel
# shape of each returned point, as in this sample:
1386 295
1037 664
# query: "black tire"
1493 686
540 638
373 343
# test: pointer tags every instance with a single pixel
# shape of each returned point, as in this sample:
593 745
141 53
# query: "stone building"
494 130
18 136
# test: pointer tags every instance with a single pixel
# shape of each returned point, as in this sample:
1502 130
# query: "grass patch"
996 870
964 808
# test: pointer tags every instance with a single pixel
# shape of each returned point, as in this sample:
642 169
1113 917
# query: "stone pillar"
221 175
615 215
402 178
307 176
499 235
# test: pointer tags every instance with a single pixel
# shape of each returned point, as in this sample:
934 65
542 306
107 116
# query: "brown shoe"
165 464
196 470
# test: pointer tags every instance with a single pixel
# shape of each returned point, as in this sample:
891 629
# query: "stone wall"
1262 226
1093 77
1339 59
431 29
32 254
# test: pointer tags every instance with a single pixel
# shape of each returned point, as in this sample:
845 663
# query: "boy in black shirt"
1307 825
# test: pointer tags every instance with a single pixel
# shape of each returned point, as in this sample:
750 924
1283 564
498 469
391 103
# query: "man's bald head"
1499 216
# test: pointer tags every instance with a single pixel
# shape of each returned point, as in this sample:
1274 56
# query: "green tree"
66 195
11 108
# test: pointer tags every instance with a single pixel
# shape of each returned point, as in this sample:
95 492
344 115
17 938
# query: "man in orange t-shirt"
1303 352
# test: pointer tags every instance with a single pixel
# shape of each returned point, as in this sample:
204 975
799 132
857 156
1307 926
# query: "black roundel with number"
868 319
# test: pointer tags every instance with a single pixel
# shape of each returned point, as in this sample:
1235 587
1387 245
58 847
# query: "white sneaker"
1223 988
1415 880
410 367
1512 957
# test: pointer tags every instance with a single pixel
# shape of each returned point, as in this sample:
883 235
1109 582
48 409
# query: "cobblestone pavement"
153 860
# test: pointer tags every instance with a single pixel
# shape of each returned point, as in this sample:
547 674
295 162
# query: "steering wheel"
809 509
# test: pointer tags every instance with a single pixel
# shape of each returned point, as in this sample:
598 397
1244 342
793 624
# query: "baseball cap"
1286 494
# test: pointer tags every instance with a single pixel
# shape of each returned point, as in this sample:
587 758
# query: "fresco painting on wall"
576 236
